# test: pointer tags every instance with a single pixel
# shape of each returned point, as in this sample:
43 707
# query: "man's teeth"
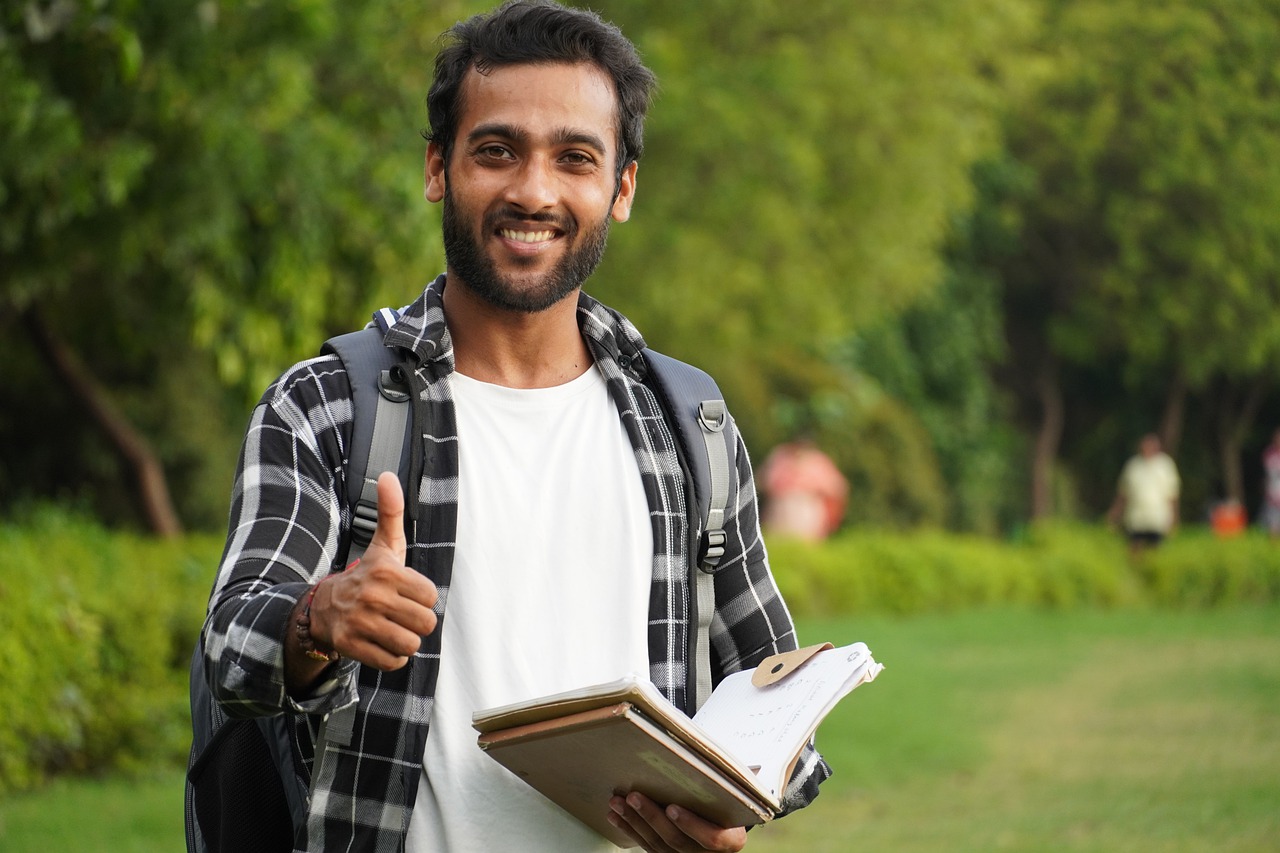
527 236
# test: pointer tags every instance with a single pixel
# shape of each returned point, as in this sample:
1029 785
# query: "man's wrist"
302 629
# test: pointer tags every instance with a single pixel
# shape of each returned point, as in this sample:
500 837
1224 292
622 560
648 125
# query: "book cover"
729 763
581 760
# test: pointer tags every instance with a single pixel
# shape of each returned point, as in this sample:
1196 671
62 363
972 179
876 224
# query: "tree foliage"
943 238
195 185
1142 235
801 171
801 175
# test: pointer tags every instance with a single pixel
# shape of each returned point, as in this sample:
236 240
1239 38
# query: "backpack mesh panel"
238 797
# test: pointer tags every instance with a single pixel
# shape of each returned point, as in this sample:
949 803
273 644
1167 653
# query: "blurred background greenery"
975 249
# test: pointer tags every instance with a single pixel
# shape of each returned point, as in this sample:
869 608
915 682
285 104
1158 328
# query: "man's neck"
515 349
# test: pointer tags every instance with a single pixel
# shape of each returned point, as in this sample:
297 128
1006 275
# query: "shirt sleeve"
282 537
752 621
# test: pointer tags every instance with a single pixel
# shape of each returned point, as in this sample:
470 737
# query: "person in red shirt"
805 493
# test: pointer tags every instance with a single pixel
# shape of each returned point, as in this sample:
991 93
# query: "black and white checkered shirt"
288 516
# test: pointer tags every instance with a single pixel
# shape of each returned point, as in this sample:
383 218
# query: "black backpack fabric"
243 794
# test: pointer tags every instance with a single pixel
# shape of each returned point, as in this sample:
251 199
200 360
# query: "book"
729 763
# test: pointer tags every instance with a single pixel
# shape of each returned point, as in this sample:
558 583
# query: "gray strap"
385 450
706 587
712 419
381 416
701 423
336 728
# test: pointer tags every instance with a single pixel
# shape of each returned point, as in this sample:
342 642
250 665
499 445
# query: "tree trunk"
132 446
1233 426
1048 438
1175 410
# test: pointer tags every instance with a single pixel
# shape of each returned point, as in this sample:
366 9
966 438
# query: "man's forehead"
510 93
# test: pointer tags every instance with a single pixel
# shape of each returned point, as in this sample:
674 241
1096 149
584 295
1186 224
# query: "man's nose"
534 186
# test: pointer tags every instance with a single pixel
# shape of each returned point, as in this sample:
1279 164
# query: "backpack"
243 793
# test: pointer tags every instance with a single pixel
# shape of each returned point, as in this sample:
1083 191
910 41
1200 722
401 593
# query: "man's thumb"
390 530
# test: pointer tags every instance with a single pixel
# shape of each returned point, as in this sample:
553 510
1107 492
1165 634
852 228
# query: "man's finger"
390 531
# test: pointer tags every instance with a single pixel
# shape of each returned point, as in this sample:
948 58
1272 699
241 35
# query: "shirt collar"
420 327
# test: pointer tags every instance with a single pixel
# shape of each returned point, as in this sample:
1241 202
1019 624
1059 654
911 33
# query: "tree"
1148 245
802 171
191 182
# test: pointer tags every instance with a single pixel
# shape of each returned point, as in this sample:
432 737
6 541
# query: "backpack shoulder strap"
382 419
700 420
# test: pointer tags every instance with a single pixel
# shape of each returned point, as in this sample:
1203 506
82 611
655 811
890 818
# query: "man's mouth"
526 236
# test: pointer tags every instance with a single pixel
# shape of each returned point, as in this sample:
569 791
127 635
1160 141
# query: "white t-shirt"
550 592
1149 485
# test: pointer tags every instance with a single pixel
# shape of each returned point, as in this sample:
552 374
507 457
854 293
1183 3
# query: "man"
549 545
1147 496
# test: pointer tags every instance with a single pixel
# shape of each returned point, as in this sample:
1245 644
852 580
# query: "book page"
766 727
629 688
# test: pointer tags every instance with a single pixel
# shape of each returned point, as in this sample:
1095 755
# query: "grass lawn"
1150 731
97 816
987 731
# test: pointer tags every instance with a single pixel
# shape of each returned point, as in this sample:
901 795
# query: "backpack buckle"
364 521
711 549
392 384
713 415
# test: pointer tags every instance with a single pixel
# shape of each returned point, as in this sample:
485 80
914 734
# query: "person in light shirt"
1146 502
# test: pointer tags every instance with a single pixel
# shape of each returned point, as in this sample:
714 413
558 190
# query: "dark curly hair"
539 31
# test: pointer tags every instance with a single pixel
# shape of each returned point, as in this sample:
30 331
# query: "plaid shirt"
288 523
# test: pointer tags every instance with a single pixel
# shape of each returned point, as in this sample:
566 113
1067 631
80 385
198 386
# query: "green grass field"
1009 731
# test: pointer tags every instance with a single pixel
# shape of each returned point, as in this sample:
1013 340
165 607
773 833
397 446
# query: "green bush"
99 626
98 632
1056 565
1199 570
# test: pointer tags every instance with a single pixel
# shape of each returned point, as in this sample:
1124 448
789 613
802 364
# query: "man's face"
530 186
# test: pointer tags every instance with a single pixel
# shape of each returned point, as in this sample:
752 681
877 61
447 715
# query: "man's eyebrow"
561 136
572 136
501 131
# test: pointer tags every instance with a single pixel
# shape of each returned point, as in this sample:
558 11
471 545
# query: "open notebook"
730 762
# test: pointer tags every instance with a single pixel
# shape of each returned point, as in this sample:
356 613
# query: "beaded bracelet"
304 631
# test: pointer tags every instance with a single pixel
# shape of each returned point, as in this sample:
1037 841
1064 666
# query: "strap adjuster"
364 521
711 549
712 415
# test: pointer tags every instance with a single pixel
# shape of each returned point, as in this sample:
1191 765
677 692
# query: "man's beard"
477 270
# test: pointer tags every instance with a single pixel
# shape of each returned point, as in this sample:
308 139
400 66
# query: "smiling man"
549 547
538 177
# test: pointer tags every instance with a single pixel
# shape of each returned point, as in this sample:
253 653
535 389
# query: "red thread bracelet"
303 629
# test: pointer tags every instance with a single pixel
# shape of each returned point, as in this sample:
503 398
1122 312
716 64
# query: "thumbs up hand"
378 610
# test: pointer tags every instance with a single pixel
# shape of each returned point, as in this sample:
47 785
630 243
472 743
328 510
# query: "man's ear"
621 210
433 174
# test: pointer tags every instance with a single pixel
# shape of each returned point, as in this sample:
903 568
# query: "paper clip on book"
730 763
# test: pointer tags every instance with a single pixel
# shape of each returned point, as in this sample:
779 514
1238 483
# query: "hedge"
99 626
98 629
1055 565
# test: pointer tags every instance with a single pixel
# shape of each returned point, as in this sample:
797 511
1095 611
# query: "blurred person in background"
1146 503
805 493
1271 497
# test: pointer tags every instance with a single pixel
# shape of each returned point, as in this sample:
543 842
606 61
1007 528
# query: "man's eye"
495 152
576 158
